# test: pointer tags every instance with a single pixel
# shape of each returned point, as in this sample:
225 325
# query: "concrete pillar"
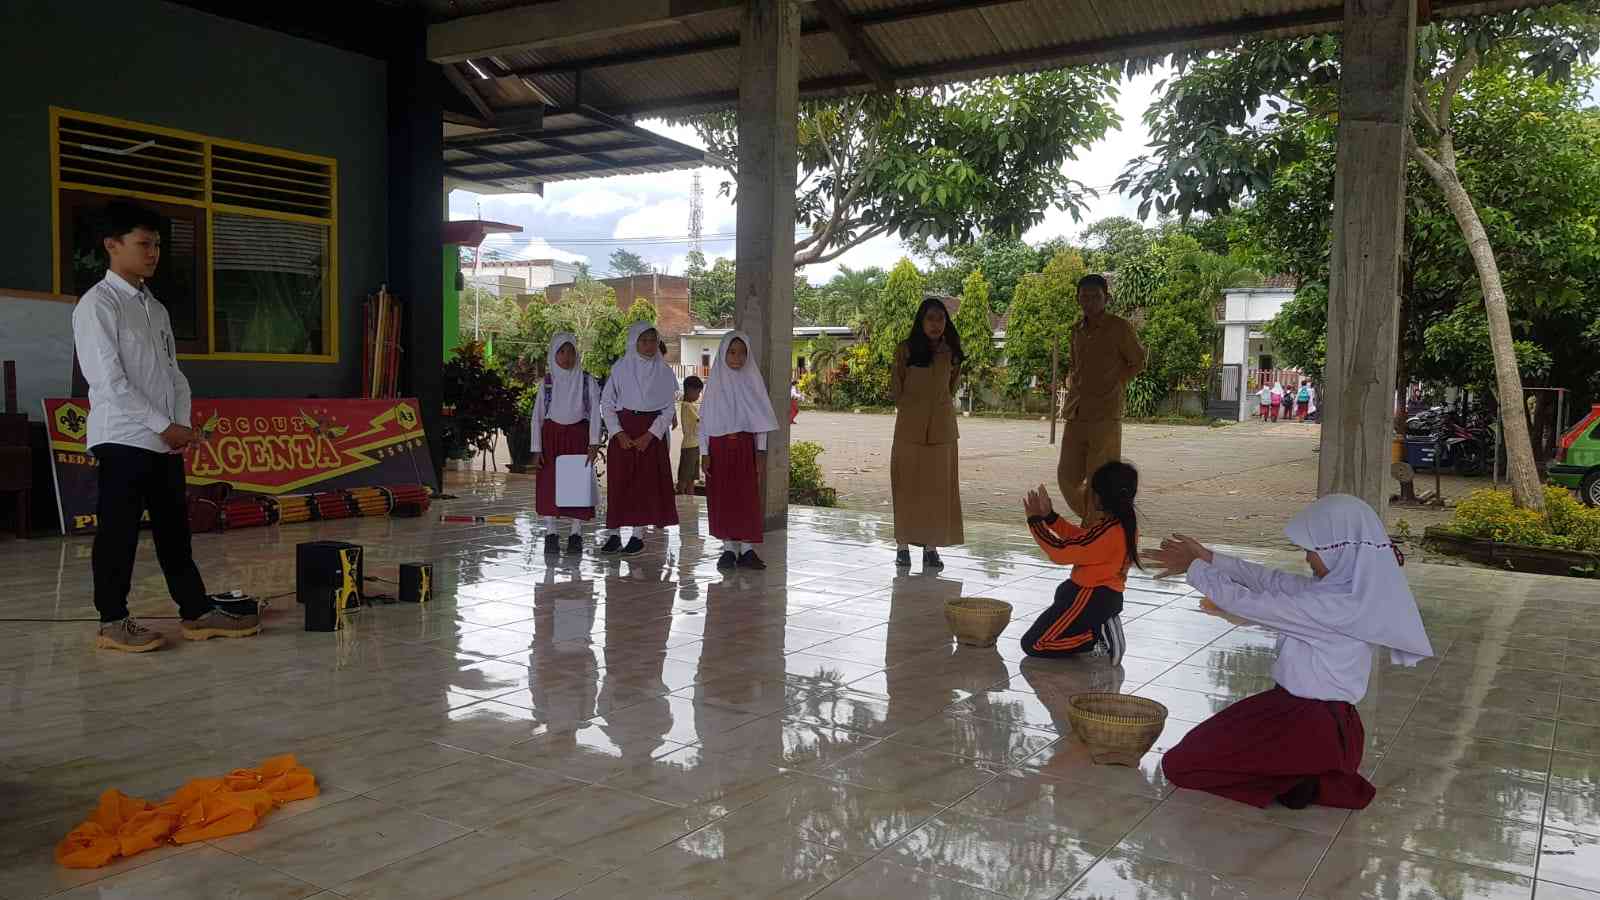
416 219
768 105
1368 228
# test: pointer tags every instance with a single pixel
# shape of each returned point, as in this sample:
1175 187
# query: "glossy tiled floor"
652 728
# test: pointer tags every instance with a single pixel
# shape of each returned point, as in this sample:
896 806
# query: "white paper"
575 484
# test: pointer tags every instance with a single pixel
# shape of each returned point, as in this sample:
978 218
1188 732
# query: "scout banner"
260 447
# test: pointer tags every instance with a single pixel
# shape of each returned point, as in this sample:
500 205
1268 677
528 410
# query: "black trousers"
132 480
1072 623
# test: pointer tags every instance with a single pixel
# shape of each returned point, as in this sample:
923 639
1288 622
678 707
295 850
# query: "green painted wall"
452 300
164 64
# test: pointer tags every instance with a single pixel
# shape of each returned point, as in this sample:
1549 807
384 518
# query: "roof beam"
483 157
860 47
452 74
461 170
555 23
731 42
508 135
535 155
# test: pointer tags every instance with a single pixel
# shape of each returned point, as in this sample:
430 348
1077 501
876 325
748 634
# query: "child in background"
638 405
794 401
1302 399
1277 399
689 418
1087 613
1265 396
1301 742
733 436
566 422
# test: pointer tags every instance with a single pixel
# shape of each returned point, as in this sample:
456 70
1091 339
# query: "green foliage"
1114 241
823 354
482 403
1003 260
857 382
712 292
1566 525
806 484
892 317
977 336
625 262
1300 330
938 162
481 313
1144 392
847 299
1043 311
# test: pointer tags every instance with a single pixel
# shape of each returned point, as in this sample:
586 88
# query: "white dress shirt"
1313 662
611 403
540 413
130 359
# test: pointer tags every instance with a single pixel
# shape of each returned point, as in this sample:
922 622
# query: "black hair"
120 217
1115 484
693 382
920 351
1098 281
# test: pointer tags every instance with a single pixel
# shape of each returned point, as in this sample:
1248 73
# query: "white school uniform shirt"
567 413
1265 395
130 359
1313 662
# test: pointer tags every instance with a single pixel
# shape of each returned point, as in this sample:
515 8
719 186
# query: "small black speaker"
325 571
416 582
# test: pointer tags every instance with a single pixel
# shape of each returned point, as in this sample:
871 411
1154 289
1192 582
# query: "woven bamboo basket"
977 621
1117 728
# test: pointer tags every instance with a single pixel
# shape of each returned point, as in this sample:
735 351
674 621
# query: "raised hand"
1177 553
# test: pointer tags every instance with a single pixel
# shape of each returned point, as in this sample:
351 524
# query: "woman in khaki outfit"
924 473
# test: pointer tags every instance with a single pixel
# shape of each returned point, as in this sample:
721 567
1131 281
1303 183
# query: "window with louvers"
248 255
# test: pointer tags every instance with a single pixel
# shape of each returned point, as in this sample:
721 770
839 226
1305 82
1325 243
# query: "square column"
1357 398
769 91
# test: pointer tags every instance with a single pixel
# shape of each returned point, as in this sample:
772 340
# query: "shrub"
1568 524
805 476
858 382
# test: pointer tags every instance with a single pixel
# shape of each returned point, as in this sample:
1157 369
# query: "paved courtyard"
653 728
1239 484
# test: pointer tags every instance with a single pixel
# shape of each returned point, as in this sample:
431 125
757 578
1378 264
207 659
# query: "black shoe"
613 544
552 544
727 560
751 561
931 561
575 544
1301 795
634 546
902 558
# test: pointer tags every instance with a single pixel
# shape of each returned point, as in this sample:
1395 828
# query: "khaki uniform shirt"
1105 357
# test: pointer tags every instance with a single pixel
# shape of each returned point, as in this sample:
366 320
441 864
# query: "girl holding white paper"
566 422
735 417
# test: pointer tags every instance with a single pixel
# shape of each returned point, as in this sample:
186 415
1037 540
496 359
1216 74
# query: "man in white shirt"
139 414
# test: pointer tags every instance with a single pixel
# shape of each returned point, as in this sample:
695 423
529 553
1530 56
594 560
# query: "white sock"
733 547
549 524
574 527
903 548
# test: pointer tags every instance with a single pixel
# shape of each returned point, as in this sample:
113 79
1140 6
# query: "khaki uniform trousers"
1085 447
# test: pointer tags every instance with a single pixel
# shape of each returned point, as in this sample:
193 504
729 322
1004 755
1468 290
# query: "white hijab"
736 399
643 385
566 385
1364 595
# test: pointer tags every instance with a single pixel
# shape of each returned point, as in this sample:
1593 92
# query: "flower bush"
1567 525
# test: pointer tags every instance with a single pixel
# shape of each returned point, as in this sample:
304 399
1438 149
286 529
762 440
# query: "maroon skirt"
733 488
639 487
560 440
1257 749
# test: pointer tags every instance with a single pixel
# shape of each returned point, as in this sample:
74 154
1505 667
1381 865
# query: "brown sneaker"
217 623
128 636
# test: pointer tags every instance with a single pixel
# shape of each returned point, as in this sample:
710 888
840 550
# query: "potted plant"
523 380
480 400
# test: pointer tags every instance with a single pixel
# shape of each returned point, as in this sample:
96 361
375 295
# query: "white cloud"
882 251
594 203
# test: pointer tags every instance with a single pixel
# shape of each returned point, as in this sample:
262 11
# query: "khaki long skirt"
925 480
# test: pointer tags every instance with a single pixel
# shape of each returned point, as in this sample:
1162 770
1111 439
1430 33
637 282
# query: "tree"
807 301
589 310
1115 240
1213 143
977 335
937 162
824 354
712 294
625 262
483 313
1004 262
1043 311
849 297
892 318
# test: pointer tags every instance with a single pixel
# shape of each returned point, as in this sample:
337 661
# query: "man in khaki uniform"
1106 355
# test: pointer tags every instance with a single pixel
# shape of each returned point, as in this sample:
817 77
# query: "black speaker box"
320 575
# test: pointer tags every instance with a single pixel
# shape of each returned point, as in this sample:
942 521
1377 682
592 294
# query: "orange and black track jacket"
1098 554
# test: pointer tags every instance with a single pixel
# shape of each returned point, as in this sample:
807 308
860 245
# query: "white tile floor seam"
601 727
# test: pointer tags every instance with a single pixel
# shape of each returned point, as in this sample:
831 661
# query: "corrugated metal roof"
692 63
566 145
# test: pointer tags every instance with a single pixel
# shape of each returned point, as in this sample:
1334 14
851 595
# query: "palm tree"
824 353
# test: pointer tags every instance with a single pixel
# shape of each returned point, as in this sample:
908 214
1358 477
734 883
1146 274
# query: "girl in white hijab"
1302 741
735 417
637 405
566 422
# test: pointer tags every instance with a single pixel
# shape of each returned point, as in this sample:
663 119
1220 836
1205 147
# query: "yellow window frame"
330 304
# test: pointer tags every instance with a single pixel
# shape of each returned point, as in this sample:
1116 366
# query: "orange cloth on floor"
204 808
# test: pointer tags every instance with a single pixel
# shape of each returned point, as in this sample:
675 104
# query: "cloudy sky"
649 214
